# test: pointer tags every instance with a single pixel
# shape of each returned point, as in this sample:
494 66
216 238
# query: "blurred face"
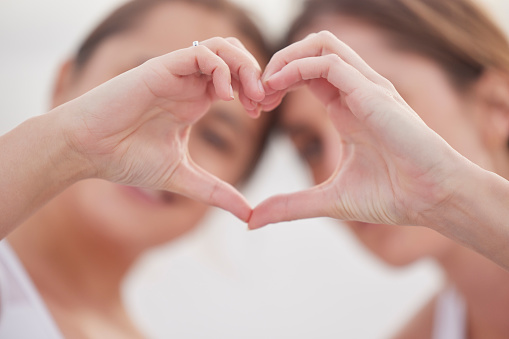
223 142
424 85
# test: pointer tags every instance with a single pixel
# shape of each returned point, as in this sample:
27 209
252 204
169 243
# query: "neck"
69 267
485 288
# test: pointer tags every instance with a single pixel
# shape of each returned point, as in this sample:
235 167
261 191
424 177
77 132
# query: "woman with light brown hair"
362 131
144 134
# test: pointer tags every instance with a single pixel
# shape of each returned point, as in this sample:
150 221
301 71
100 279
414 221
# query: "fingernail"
271 77
232 95
260 86
255 113
267 77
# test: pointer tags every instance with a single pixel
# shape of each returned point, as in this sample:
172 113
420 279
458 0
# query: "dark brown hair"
129 16
457 34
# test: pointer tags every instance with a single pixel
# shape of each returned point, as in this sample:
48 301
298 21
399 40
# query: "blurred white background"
307 279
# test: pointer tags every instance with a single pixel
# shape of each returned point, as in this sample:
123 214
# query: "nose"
331 154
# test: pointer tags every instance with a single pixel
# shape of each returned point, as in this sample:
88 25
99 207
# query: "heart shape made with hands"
388 158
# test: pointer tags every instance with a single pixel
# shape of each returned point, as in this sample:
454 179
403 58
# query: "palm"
363 165
149 127
364 186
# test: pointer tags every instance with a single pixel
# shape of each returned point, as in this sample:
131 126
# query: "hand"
134 128
393 169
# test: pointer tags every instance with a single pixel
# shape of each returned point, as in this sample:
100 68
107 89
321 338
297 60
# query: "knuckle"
387 84
278 55
333 58
216 40
201 49
233 40
326 35
310 36
384 92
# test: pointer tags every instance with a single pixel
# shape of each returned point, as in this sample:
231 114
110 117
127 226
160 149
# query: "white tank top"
450 316
23 314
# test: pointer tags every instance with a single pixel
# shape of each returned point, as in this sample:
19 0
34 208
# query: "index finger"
320 44
243 66
307 204
194 182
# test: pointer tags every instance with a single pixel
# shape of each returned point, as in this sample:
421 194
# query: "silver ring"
195 43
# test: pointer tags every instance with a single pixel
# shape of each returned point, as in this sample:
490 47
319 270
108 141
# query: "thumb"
194 182
310 203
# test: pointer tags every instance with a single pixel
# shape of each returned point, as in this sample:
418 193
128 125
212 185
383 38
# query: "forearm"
36 165
478 214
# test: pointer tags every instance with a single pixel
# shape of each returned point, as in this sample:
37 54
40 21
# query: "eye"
215 139
311 150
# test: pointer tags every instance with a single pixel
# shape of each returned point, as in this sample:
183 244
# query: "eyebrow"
295 129
227 118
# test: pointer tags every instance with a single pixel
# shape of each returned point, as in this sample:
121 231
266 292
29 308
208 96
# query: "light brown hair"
457 34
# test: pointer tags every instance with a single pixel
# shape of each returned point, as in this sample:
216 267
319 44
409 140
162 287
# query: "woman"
451 64
60 272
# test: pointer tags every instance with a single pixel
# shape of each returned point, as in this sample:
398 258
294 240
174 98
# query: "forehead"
175 25
378 48
371 43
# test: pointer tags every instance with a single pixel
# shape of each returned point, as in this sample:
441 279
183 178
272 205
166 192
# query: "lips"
148 196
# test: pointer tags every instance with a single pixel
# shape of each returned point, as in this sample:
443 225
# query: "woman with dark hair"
376 161
169 124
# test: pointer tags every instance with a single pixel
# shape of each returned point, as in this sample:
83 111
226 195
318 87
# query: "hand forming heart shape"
134 129
393 169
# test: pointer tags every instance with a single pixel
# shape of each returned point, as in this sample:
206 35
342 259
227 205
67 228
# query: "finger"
194 182
318 44
330 67
287 207
200 59
242 65
236 42
272 101
248 104
235 85
275 97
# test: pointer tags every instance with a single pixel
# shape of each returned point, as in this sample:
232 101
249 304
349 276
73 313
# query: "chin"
130 217
396 246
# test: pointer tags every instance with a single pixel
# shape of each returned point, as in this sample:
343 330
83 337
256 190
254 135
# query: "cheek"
456 126
400 245
103 210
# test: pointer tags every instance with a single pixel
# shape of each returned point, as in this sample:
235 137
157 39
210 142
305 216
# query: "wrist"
36 165
66 159
459 197
472 213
